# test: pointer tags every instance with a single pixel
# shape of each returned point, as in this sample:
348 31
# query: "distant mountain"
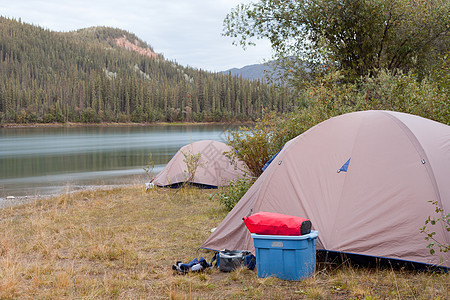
251 72
103 74
269 69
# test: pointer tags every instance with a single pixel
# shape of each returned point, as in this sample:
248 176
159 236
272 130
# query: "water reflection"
39 161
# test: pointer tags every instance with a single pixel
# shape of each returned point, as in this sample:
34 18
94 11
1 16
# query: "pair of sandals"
192 266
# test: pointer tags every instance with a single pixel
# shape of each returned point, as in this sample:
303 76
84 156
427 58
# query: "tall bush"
354 36
256 145
229 195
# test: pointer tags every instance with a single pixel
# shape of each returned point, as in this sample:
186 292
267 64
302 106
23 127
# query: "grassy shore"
122 243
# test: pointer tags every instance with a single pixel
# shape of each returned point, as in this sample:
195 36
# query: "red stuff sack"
268 223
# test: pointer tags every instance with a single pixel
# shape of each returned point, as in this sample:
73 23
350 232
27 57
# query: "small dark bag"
228 260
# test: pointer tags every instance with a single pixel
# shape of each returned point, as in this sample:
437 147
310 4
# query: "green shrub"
229 195
256 145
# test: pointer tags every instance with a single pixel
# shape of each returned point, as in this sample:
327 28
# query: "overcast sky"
186 31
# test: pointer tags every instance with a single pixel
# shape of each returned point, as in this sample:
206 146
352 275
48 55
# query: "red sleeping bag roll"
269 223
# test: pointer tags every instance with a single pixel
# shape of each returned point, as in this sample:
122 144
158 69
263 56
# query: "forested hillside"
104 74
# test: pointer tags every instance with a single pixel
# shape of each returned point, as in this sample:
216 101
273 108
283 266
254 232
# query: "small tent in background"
364 179
214 170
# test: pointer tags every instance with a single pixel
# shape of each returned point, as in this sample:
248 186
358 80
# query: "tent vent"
423 161
344 167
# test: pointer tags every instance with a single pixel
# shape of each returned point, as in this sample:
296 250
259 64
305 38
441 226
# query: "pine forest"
102 74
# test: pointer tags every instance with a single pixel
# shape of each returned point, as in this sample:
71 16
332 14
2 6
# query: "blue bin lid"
314 234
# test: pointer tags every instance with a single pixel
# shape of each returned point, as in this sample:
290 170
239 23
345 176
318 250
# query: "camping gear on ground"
228 260
192 266
391 165
269 223
285 257
214 168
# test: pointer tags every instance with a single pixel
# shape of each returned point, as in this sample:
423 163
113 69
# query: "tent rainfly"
364 179
214 168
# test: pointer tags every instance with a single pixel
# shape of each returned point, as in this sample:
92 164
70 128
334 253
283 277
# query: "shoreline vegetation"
122 242
131 124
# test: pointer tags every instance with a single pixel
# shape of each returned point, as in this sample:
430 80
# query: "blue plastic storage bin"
285 257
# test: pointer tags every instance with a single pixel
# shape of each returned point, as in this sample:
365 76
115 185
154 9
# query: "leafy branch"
148 168
193 162
443 220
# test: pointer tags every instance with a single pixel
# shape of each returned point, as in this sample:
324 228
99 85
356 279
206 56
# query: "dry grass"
122 243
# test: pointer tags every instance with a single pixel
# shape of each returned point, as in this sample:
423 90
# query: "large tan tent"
364 179
214 169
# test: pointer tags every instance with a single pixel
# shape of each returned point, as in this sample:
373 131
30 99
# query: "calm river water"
46 161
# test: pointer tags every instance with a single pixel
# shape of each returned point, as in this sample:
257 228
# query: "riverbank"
9 201
121 243
105 124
